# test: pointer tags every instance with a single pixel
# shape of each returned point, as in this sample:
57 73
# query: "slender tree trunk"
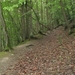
48 15
0 30
0 36
3 25
64 14
23 23
28 18
50 18
47 11
37 11
42 13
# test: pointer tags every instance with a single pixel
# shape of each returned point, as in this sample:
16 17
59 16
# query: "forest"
21 20
37 37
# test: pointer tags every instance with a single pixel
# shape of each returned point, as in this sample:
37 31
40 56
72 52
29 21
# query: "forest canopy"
22 19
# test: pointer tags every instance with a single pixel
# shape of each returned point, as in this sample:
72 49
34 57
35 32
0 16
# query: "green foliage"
33 16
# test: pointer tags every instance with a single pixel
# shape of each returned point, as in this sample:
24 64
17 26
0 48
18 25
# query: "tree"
4 30
22 19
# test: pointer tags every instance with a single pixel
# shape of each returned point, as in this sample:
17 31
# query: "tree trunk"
28 18
3 25
64 15
23 23
41 14
37 11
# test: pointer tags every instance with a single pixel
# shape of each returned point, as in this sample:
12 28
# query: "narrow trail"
54 54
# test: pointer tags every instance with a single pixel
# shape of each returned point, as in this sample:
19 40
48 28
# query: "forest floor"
54 54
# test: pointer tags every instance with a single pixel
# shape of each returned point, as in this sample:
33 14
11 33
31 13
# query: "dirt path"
54 54
13 57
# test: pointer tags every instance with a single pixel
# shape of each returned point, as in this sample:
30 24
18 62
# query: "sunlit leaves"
21 1
8 8
11 5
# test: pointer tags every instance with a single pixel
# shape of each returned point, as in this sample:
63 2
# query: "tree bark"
64 15
23 23
3 25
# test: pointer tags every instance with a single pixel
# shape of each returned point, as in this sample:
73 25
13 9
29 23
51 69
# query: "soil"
11 58
54 54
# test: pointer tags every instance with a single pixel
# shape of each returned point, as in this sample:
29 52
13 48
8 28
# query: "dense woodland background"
24 19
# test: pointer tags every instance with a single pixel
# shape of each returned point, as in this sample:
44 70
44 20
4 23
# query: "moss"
2 54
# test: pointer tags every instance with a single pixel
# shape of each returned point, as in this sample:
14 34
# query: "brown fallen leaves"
48 57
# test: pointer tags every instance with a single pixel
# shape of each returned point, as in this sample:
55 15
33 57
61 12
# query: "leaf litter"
54 54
